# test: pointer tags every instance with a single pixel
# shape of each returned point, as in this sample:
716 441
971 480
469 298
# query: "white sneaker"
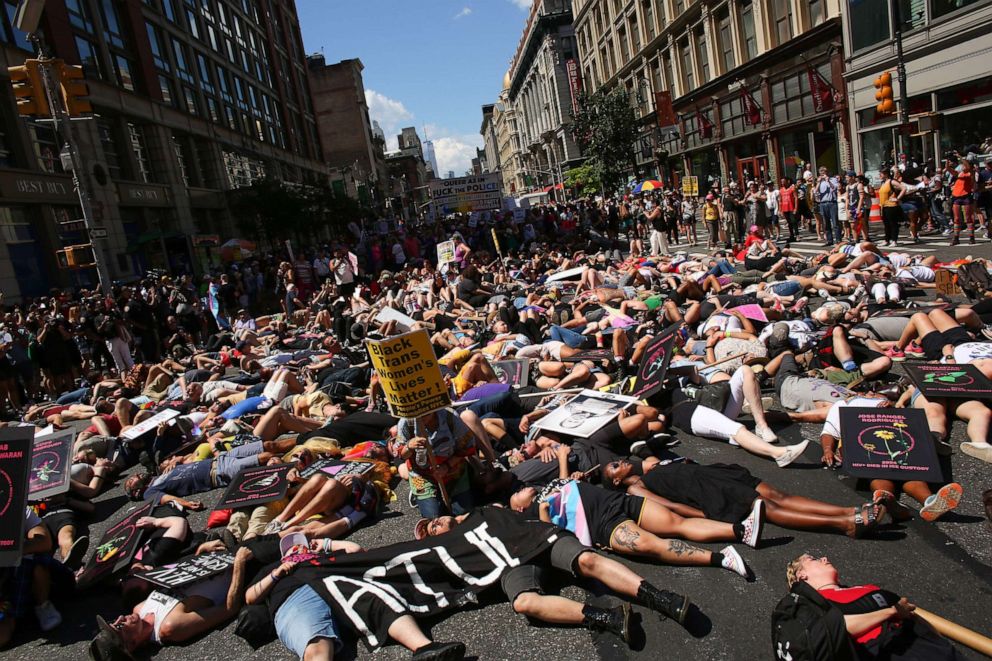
48 617
733 561
791 454
753 524
766 434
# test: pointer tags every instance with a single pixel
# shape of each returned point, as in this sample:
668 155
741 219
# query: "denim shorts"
303 618
786 288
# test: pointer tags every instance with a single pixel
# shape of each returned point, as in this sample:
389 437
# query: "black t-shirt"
466 288
197 375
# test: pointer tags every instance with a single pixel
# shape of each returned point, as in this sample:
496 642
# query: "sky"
428 63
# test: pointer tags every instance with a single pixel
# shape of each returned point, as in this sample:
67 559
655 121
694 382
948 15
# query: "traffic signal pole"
900 73
63 126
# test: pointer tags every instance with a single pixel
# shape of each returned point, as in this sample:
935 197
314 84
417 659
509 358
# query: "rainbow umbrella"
649 184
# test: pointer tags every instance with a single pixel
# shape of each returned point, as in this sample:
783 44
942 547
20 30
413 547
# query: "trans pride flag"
567 512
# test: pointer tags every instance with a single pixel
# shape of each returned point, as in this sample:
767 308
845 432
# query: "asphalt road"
945 567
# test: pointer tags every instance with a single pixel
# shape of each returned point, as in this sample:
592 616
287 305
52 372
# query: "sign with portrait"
50 464
255 486
585 414
654 362
15 456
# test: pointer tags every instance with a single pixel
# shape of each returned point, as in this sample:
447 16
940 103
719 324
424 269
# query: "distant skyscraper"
451 174
430 157
377 130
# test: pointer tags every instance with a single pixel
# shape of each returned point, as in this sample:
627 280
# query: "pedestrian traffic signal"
74 89
29 89
75 257
886 104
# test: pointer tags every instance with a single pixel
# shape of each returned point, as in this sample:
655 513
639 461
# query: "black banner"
117 548
15 454
336 468
654 363
188 571
255 486
50 464
958 381
368 591
888 443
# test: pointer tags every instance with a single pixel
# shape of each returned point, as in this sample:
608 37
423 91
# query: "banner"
752 111
585 414
888 443
188 571
50 464
821 91
705 126
15 455
151 423
466 194
569 274
665 112
574 83
255 486
958 381
690 186
654 363
445 253
213 302
513 372
337 468
409 374
117 548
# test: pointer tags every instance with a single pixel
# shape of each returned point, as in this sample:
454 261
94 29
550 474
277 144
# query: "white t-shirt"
832 425
969 352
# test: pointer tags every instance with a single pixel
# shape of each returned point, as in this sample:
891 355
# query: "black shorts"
58 519
609 519
563 555
724 492
934 343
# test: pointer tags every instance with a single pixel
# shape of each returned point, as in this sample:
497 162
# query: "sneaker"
914 350
273 527
733 561
981 451
987 331
822 293
799 305
971 240
942 502
895 354
753 524
48 617
74 558
766 434
946 233
955 240
436 651
791 454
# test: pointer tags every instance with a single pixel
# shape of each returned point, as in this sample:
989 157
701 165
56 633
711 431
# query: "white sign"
403 322
149 424
566 275
465 194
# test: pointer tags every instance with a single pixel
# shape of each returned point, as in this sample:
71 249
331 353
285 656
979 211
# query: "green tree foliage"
584 180
606 128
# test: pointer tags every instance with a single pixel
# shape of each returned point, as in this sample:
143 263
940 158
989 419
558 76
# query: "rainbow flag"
567 512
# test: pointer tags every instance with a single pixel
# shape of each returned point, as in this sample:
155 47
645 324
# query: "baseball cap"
289 542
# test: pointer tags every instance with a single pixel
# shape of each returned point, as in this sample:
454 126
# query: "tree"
270 209
606 128
584 180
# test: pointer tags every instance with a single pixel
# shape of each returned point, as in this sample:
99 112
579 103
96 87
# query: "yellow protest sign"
410 376
496 241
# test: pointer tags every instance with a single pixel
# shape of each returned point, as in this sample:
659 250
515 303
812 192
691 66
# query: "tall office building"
430 157
192 99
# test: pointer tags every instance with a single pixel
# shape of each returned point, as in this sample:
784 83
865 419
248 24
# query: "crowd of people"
264 364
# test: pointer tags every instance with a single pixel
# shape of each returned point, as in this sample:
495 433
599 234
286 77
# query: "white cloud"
523 4
454 151
391 114
463 13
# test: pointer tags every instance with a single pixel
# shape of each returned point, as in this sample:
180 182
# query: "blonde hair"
793 568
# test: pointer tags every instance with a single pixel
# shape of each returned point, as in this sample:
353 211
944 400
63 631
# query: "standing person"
689 218
116 337
963 201
804 207
890 193
303 276
731 220
757 210
826 194
844 213
773 208
788 203
656 219
859 205
343 270
321 266
711 216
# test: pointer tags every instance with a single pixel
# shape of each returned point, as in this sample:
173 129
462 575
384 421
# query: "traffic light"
886 104
75 257
29 89
74 89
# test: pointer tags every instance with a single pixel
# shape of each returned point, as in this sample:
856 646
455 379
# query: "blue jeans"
722 267
938 215
568 336
434 507
831 226
73 397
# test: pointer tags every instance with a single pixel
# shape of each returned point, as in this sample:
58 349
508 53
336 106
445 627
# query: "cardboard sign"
255 486
116 549
595 355
888 443
512 372
585 414
336 468
569 274
50 464
149 424
944 281
959 381
445 252
15 461
189 571
752 311
654 363
403 322
409 373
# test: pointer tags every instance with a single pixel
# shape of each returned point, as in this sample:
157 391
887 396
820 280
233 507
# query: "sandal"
897 512
867 519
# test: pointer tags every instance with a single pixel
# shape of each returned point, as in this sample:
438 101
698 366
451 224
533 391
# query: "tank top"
710 212
963 185
885 196
159 605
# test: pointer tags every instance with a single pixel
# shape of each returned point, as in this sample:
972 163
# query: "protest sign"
889 444
959 381
189 571
585 414
50 464
409 374
654 363
149 424
905 312
945 283
445 253
403 322
570 274
752 311
337 468
15 461
513 372
519 215
117 548
499 251
255 486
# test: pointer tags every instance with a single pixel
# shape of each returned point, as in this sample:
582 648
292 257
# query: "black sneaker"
440 652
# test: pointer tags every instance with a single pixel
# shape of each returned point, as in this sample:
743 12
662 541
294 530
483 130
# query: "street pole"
900 74
63 127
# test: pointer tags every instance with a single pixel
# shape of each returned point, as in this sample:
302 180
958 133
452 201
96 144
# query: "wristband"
726 333
275 579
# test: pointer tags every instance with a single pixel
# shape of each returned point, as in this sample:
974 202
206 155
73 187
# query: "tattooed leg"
630 539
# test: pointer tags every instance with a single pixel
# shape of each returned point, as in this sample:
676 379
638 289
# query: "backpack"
974 280
807 627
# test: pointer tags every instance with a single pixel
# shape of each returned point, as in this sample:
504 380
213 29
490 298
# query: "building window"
182 61
702 56
791 98
89 58
747 25
943 7
869 22
123 68
168 92
666 63
189 96
679 7
687 68
782 12
108 144
46 148
177 148
79 15
204 69
914 12
136 135
648 12
112 24
728 62
635 34
169 10
818 13
159 55
9 33
194 23
213 110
